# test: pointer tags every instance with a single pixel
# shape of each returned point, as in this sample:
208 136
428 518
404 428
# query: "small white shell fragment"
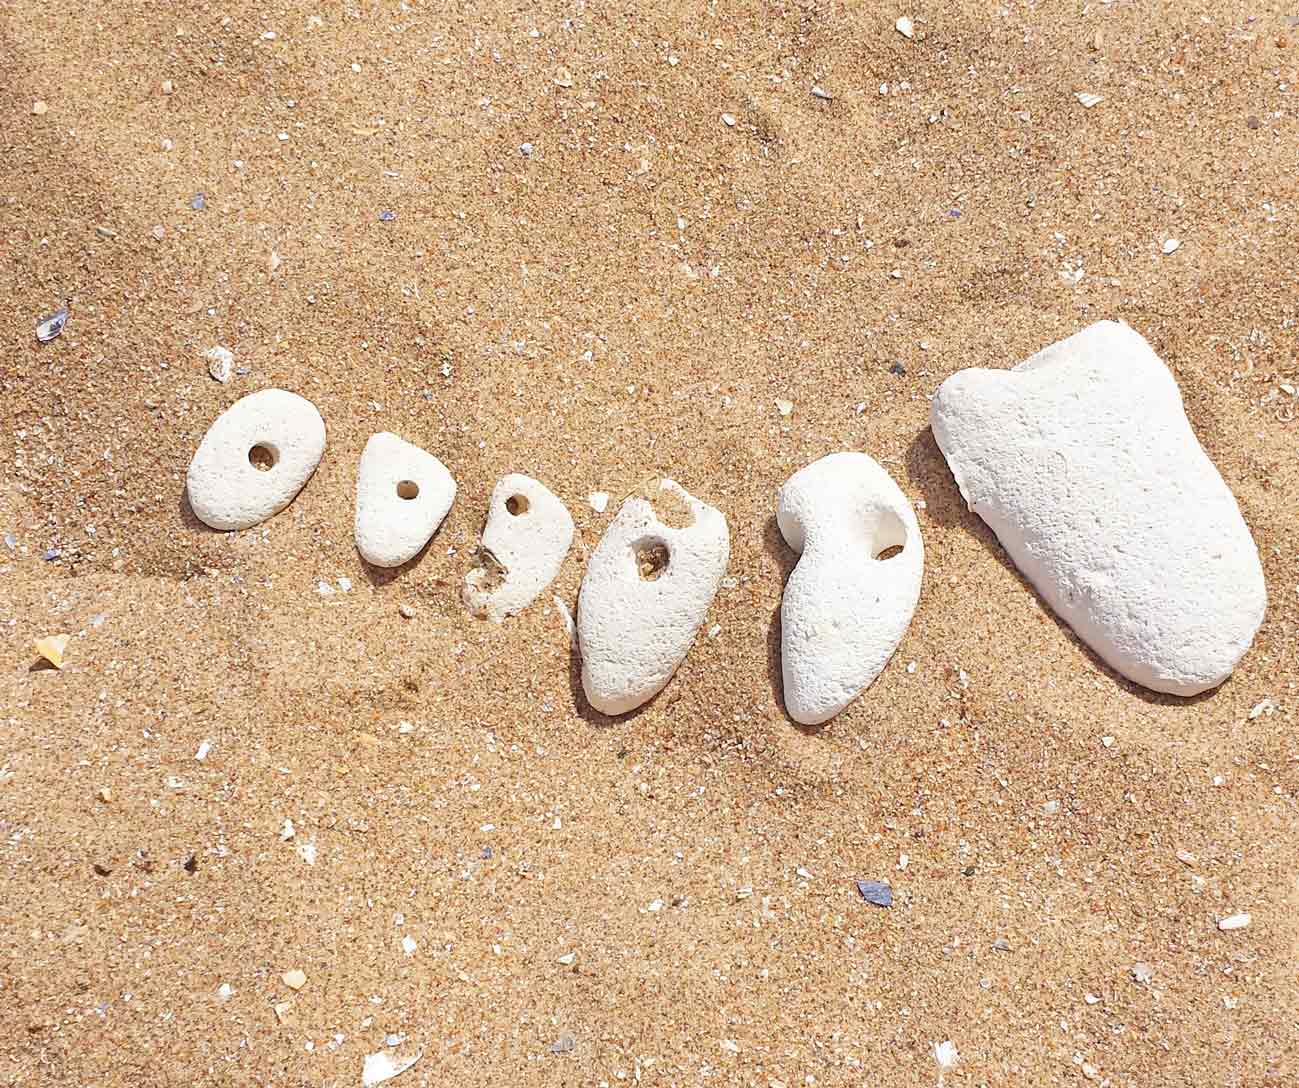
50 327
844 610
647 590
905 27
295 978
1082 461
53 648
784 407
599 501
528 534
1234 921
946 1054
402 495
274 429
728 119
1088 99
1171 245
220 362
381 1067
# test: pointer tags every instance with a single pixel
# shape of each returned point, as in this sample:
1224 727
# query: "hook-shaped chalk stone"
402 495
1082 461
849 600
647 589
528 534
254 459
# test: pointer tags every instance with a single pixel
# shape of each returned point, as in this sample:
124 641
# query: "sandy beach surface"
619 235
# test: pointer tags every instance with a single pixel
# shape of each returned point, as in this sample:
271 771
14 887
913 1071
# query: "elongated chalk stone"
845 607
1082 461
647 589
402 495
528 533
254 459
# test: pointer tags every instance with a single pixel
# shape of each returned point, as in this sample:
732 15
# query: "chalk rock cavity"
402 495
647 589
528 534
848 602
1082 461
254 459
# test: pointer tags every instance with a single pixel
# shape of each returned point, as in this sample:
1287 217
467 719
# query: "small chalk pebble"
845 609
648 587
220 363
408 945
905 27
295 979
168 86
254 459
402 495
599 501
1234 921
1082 461
39 107
528 533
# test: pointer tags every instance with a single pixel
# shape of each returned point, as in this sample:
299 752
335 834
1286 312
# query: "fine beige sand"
668 898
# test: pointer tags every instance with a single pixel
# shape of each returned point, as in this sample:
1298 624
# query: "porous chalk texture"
647 589
528 534
846 606
254 459
402 495
1082 461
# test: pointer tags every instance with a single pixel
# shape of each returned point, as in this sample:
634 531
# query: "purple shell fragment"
50 327
876 891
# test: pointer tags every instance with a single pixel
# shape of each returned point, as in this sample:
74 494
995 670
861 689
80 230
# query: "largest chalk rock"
647 589
1082 461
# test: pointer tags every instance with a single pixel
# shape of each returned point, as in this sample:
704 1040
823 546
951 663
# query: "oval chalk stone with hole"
402 495
1082 461
647 589
254 459
849 600
528 533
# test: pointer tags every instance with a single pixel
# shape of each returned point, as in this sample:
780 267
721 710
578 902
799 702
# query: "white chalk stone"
528 534
845 608
647 589
254 459
402 495
1082 461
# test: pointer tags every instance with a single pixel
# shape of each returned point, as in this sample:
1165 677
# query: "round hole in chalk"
651 559
888 537
517 504
407 489
263 456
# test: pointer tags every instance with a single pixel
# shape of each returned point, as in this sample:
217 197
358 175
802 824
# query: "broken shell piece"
50 327
647 590
255 458
1088 99
402 495
52 648
1082 461
527 536
381 1067
849 600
